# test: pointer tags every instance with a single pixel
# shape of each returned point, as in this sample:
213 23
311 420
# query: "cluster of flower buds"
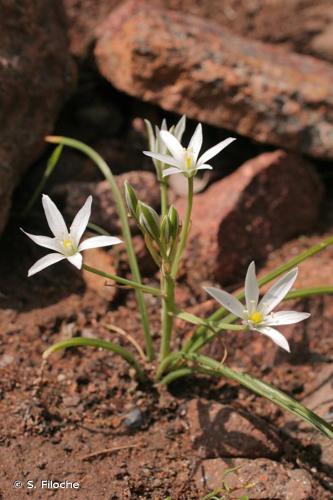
161 233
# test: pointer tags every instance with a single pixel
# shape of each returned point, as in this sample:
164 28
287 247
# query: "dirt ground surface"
88 421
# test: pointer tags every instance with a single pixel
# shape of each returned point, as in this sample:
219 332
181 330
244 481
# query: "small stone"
134 419
256 479
6 360
71 401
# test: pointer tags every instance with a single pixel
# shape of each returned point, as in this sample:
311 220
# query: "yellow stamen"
67 244
256 317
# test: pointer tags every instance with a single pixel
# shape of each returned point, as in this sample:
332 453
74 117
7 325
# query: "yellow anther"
67 244
256 317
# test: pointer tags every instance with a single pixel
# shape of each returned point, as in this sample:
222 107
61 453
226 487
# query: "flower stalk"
123 281
98 343
185 230
167 288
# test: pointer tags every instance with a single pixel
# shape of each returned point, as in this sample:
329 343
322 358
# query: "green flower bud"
131 199
149 220
165 230
173 218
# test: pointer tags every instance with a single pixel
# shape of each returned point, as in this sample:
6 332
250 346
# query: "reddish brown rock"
35 76
104 260
223 431
254 479
193 66
267 201
73 195
294 24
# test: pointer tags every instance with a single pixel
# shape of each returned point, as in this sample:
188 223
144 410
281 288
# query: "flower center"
188 158
256 317
69 246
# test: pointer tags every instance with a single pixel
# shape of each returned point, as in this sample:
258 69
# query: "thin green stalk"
164 196
123 281
163 366
177 374
98 229
309 292
105 169
185 230
260 388
104 344
168 287
50 166
201 337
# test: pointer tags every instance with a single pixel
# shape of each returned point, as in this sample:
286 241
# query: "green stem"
309 292
177 374
260 388
104 344
103 166
185 230
163 366
98 229
201 337
168 287
123 281
164 196
50 166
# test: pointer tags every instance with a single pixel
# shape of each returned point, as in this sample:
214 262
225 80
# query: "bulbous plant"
165 236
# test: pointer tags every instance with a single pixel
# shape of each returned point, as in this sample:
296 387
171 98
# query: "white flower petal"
164 125
251 289
285 318
205 166
44 241
275 335
151 136
169 160
180 128
99 241
172 144
196 142
44 262
80 221
210 153
76 260
54 218
171 170
277 292
227 300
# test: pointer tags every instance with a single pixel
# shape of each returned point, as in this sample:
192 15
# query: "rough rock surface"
35 76
73 195
254 479
224 431
102 259
194 66
295 23
267 201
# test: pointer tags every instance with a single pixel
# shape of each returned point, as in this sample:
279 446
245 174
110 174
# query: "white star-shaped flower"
257 315
186 161
66 244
